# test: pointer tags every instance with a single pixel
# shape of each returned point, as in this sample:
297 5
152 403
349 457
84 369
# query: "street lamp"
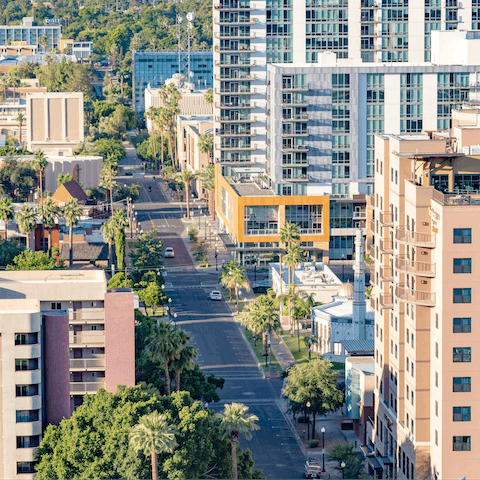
168 310
216 255
266 356
309 347
255 268
308 405
236 293
175 319
343 267
323 447
343 465
269 350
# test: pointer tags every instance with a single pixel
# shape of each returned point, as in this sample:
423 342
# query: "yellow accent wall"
236 224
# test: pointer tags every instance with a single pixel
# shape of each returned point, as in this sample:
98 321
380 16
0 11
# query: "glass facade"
31 35
261 220
375 115
279 31
155 67
452 91
341 126
307 217
394 31
411 102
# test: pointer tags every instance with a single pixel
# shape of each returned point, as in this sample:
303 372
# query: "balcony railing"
244 63
418 239
406 265
371 199
386 274
386 219
234 105
235 35
237 147
417 297
296 178
296 88
386 301
86 387
290 133
242 91
371 249
238 133
239 48
87 338
360 214
371 224
296 118
386 245
235 76
302 148
311 231
86 363
238 7
237 118
262 231
238 21
295 103
372 302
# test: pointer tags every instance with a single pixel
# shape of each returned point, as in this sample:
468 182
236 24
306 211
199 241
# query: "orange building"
250 214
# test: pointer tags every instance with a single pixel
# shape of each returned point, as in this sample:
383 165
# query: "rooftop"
358 345
19 306
342 310
251 189
310 273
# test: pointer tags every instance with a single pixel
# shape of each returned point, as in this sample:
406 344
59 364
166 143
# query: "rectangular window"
26 338
27 416
462 295
436 379
461 414
26 467
436 408
28 441
436 438
462 355
26 390
462 265
436 349
26 364
462 325
461 443
462 235
413 341
462 384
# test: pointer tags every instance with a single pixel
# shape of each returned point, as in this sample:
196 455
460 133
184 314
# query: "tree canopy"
29 260
147 251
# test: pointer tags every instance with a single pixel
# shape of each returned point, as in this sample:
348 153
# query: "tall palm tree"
205 144
153 436
235 421
235 280
162 345
289 232
71 213
109 171
27 221
40 164
185 357
14 82
20 119
119 224
152 114
108 233
293 257
6 212
187 177
51 211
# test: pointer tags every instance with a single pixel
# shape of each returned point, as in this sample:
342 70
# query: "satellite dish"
190 16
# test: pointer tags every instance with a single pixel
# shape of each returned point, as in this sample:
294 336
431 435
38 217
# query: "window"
436 349
26 364
436 408
26 467
56 306
436 379
413 395
462 295
26 390
462 354
28 442
462 325
436 438
462 265
436 321
462 384
413 341
413 369
408 364
27 416
461 414
26 338
396 350
408 335
462 235
461 443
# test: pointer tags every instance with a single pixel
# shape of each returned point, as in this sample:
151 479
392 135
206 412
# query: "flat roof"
51 276
342 309
19 305
251 190
416 137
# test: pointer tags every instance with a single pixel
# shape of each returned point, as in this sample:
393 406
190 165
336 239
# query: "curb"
292 428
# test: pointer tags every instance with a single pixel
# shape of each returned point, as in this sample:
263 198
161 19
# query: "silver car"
215 295
169 253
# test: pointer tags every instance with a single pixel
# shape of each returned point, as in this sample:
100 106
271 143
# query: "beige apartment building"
425 240
62 335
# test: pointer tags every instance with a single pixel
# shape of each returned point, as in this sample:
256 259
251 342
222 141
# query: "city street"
223 351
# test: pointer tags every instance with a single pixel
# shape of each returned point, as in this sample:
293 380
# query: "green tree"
208 96
234 422
205 143
14 82
344 452
119 223
40 164
27 221
118 281
110 148
233 278
64 178
154 436
51 212
71 213
185 357
20 119
313 387
29 260
6 212
162 346
147 251
288 233
107 175
108 232
186 177
125 191
17 177
151 295
9 249
293 257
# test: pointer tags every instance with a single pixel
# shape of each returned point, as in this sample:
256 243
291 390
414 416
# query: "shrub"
192 233
313 443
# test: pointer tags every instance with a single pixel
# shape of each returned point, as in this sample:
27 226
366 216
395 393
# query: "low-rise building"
63 335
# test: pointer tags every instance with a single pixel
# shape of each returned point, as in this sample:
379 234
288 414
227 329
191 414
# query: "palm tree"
208 96
289 232
186 177
20 119
205 144
235 421
27 221
293 257
71 213
185 357
119 224
109 170
40 164
152 114
234 279
153 436
6 212
14 82
50 214
162 345
109 237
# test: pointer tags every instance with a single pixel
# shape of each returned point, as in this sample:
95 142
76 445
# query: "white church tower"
359 304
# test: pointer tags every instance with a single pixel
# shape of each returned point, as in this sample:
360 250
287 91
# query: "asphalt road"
223 351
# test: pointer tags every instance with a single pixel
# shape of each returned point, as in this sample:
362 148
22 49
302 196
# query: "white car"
216 295
169 253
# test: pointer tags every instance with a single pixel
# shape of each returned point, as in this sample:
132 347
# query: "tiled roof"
86 251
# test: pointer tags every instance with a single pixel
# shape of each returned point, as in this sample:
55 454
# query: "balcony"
293 162
85 387
94 337
238 133
386 245
237 119
371 224
371 249
245 63
422 269
238 21
295 103
262 231
294 134
372 302
238 49
386 301
84 316
311 231
235 77
245 91
237 147
234 105
238 7
417 297
235 35
386 219
293 148
296 178
359 214
296 118
87 363
386 274
417 239
371 199
296 88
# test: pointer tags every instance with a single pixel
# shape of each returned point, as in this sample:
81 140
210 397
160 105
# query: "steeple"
359 304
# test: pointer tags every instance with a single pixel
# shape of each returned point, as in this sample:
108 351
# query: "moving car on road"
169 253
313 468
215 295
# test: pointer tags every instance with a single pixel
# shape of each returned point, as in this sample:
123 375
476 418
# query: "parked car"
169 253
215 295
313 468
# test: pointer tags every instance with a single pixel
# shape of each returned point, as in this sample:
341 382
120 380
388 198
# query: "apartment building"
63 335
32 34
155 67
425 245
